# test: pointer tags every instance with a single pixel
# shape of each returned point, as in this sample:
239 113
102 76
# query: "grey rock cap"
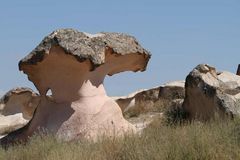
84 46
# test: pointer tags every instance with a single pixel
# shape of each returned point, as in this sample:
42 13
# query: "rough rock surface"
148 97
210 93
85 46
16 109
144 120
144 106
73 66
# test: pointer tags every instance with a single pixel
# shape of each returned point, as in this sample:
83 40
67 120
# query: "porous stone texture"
210 93
16 109
73 66
84 46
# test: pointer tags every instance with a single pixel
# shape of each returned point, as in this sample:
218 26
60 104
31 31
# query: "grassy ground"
212 140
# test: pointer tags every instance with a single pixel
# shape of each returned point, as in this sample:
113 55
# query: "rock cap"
84 46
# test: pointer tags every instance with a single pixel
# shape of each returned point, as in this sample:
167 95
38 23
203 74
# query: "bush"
175 115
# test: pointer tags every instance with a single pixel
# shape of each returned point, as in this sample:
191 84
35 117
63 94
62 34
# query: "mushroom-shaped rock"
73 66
210 93
16 109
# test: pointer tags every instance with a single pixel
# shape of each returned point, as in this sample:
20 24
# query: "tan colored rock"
16 109
144 120
210 93
73 66
145 106
145 100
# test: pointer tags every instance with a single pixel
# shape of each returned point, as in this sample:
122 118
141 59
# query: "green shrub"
175 115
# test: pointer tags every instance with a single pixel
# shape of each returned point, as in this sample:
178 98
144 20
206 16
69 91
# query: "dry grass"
212 140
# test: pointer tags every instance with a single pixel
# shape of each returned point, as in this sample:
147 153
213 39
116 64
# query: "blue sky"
179 33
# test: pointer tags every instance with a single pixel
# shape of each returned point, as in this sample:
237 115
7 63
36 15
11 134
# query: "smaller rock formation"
238 70
16 109
210 93
147 98
142 107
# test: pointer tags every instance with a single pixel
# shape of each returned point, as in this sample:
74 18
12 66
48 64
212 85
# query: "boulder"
210 93
16 109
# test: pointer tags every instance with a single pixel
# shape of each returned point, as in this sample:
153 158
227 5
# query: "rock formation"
171 91
210 93
142 107
16 109
73 66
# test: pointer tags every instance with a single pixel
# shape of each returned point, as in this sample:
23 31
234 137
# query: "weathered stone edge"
84 48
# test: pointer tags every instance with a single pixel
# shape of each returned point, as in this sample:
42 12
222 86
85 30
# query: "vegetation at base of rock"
175 115
211 140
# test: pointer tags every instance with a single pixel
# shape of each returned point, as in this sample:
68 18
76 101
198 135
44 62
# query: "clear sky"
179 33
